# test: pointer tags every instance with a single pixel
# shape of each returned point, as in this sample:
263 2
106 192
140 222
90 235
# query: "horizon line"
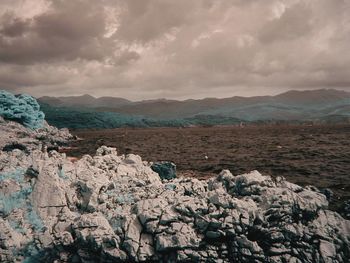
205 98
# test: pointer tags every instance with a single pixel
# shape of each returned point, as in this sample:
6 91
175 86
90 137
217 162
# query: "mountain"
86 101
313 97
288 105
292 106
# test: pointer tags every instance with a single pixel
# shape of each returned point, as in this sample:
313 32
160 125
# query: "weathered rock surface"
112 208
15 136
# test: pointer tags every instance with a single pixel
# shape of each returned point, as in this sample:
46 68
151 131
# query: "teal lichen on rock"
21 108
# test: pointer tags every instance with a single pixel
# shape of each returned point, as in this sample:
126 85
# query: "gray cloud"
175 49
69 30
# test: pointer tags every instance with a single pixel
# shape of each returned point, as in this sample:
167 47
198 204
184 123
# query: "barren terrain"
317 155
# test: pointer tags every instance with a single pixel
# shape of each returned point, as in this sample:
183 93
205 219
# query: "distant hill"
324 105
86 101
289 105
83 118
320 97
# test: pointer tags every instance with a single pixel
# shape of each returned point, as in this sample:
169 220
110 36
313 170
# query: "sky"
176 49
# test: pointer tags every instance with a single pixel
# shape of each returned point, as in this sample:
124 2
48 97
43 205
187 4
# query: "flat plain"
307 155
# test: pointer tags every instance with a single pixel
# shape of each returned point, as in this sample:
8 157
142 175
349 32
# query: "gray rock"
183 236
166 170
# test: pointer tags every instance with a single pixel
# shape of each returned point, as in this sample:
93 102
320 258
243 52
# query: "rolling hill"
325 105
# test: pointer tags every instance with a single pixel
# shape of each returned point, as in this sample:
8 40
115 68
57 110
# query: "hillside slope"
325 106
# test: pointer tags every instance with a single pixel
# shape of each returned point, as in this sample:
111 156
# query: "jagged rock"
110 208
166 170
146 248
133 231
179 236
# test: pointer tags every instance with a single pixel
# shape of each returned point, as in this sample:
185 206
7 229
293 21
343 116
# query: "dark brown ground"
317 155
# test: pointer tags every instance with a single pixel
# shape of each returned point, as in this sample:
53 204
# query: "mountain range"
324 105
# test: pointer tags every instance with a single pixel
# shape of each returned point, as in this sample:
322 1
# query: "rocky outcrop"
16 136
115 208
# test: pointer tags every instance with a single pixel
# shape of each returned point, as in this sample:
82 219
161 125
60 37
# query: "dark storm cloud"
13 26
176 49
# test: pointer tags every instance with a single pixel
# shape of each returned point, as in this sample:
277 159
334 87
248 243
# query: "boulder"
166 170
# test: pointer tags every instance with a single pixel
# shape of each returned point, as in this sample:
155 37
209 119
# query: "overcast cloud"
143 49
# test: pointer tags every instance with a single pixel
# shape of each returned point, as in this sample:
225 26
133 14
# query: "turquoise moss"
61 173
15 200
34 219
21 108
17 175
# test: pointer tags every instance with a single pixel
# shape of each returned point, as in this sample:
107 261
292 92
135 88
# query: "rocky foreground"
111 208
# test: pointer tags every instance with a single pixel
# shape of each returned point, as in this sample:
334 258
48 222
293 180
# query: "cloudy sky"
143 49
